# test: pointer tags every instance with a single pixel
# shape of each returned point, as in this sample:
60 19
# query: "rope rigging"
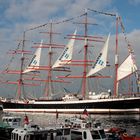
58 22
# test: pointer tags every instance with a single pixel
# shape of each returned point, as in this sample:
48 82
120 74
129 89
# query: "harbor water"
129 122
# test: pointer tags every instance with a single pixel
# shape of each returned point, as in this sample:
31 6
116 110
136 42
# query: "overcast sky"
19 15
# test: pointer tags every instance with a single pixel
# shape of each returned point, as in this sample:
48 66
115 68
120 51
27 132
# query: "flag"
26 120
85 112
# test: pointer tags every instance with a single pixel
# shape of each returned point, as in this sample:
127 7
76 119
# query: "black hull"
104 105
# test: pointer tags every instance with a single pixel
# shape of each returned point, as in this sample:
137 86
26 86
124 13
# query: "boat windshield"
75 135
98 134
36 137
102 133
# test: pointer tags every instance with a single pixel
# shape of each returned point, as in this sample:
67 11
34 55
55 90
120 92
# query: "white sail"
66 56
101 60
126 68
35 61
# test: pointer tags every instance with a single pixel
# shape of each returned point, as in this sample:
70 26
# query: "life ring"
125 134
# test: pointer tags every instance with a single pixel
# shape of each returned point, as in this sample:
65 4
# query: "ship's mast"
84 82
20 81
49 90
49 86
116 60
85 62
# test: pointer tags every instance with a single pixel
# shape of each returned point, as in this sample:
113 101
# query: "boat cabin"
12 121
86 134
82 129
70 97
75 122
36 133
79 134
29 133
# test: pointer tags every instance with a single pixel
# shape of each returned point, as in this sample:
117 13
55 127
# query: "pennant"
26 120
85 112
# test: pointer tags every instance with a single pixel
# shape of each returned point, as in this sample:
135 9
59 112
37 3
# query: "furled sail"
101 60
66 56
35 61
126 68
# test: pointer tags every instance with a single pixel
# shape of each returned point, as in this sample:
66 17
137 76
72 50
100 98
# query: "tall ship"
110 101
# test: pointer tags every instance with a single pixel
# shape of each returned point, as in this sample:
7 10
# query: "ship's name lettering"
98 61
64 54
33 60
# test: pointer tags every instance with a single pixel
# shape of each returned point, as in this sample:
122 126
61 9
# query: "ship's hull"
111 106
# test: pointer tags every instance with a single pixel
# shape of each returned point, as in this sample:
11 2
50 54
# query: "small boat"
32 132
120 134
84 128
115 133
127 137
12 121
29 131
7 125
